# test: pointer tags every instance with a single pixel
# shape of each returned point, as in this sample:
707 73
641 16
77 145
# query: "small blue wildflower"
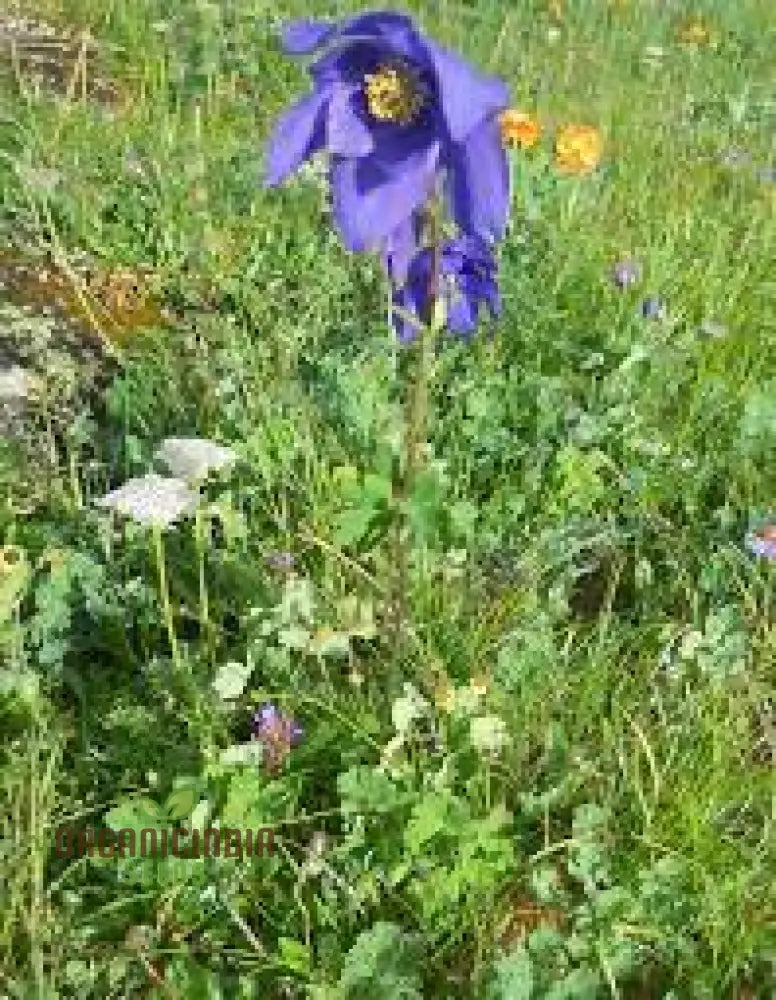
626 273
653 308
277 732
467 278
396 113
762 542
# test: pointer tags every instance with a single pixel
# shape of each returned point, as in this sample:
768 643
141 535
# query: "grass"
575 540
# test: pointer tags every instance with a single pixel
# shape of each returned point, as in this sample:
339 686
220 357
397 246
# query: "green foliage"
380 964
534 682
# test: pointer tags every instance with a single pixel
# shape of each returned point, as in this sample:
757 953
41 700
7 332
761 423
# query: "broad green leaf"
377 489
294 955
363 789
181 801
513 977
146 809
352 525
429 817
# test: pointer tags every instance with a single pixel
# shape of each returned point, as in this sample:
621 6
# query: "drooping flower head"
467 279
277 732
399 117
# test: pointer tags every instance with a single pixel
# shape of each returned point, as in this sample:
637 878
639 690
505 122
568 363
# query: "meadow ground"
533 754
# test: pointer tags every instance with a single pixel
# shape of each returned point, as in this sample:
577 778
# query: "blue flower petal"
298 134
468 270
473 248
492 296
305 36
347 132
466 96
362 43
399 248
395 32
479 182
371 202
413 296
462 314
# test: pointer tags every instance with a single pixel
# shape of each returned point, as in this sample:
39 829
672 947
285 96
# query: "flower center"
394 93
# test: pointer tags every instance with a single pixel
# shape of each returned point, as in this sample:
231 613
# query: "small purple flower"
626 273
283 561
396 113
763 542
467 279
277 732
653 308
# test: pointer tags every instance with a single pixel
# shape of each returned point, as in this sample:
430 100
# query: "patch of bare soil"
38 57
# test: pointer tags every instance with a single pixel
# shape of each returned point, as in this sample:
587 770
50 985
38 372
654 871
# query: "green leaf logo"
180 802
150 810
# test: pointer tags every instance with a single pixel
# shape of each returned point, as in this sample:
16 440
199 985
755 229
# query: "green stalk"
164 594
416 426
199 534
190 692
417 429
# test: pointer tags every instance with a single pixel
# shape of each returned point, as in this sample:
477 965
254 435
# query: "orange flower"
578 148
518 129
693 31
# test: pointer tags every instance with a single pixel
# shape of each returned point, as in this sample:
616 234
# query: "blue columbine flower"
397 113
467 278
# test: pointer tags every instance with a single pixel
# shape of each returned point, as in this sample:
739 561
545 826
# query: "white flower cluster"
160 501
152 501
193 459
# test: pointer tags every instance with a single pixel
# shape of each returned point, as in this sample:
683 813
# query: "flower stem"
416 433
164 594
417 430
189 692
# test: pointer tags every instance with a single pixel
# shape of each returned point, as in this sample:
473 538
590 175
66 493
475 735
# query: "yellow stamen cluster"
393 94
